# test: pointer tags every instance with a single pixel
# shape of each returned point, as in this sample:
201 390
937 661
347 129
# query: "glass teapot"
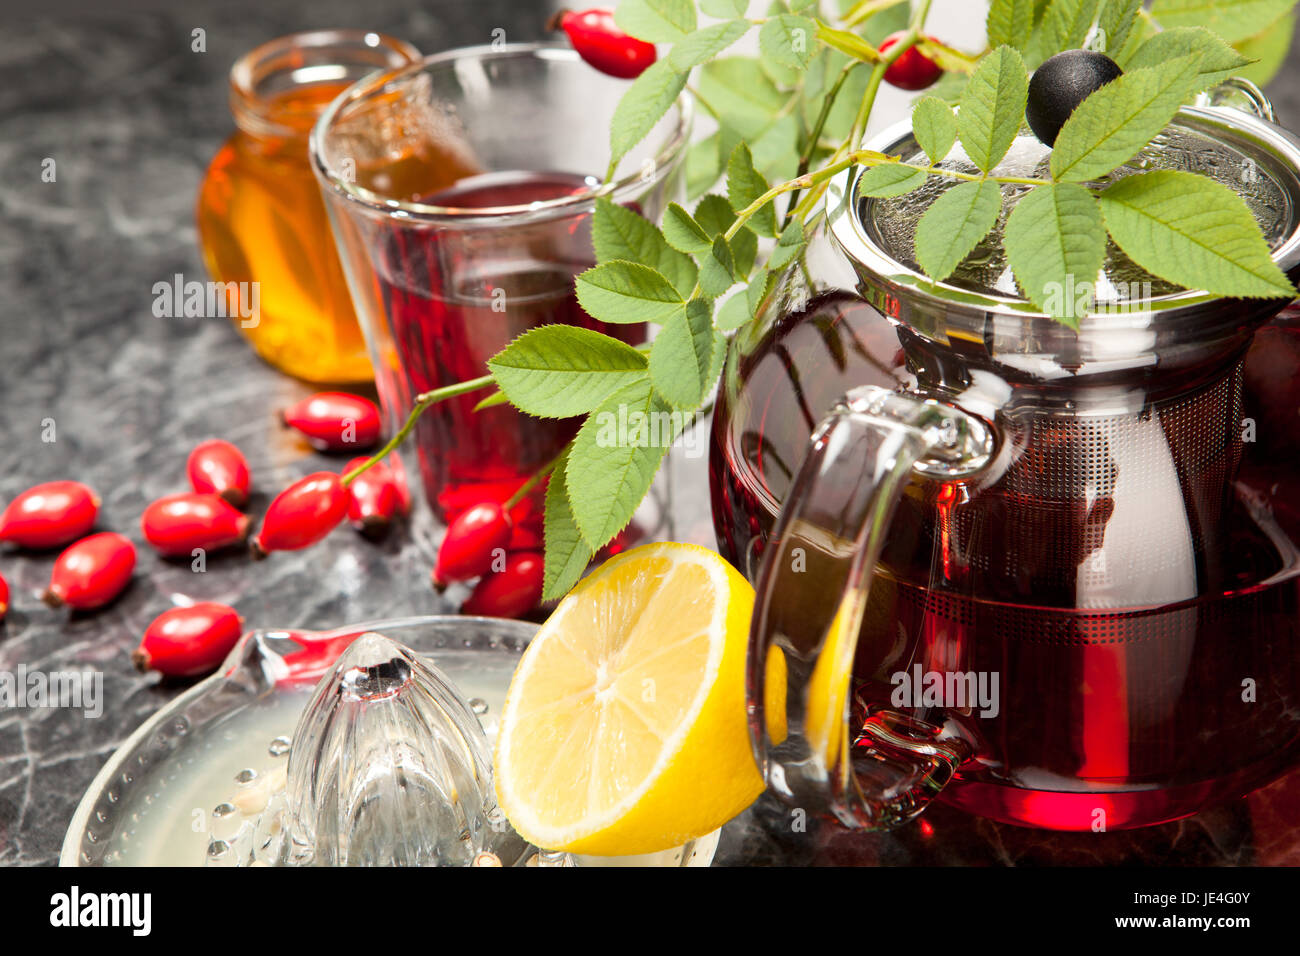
1051 577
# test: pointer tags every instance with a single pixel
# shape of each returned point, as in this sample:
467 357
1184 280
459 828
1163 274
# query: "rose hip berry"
511 592
374 499
4 597
471 543
178 524
302 514
335 421
91 572
50 515
217 467
187 641
911 71
599 41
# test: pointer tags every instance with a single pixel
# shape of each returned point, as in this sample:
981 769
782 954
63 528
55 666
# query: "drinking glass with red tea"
260 215
461 192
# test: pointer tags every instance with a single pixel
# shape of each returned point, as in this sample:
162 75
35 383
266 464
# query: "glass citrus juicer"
1047 576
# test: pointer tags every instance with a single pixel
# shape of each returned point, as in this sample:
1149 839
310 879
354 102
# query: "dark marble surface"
131 117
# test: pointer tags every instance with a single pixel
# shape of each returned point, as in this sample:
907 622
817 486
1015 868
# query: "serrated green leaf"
934 127
954 224
1055 242
1114 25
1268 49
614 458
744 305
1215 57
1194 231
703 166
742 94
1231 19
706 43
714 214
1009 22
619 233
890 179
992 107
722 9
627 292
1065 25
1115 122
683 233
776 151
744 249
557 371
646 101
744 186
681 358
717 269
788 40
567 554
656 21
788 246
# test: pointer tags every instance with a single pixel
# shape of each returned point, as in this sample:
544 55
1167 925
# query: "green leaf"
1066 24
776 151
492 401
1118 120
683 233
743 306
1009 22
739 91
1114 24
714 214
934 127
746 186
648 98
1214 57
954 224
1194 231
656 21
890 179
557 371
614 457
992 107
850 44
627 292
717 269
567 554
722 9
788 40
1231 19
619 233
1268 49
1055 241
703 166
681 358
788 246
706 43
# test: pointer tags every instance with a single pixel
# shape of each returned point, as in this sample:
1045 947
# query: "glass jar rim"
248 102
665 155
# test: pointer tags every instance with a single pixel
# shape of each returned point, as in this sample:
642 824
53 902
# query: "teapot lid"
1243 150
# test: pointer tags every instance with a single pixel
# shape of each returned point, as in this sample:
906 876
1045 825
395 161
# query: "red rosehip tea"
1116 707
456 297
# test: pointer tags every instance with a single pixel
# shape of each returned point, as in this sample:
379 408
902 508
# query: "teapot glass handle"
812 593
1239 93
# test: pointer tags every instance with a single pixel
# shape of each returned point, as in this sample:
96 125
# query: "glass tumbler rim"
666 154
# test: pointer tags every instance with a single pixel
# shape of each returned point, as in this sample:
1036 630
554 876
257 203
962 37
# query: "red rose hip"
911 71
471 543
4 597
187 641
178 524
92 572
335 421
50 515
511 592
217 467
599 41
302 514
373 497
